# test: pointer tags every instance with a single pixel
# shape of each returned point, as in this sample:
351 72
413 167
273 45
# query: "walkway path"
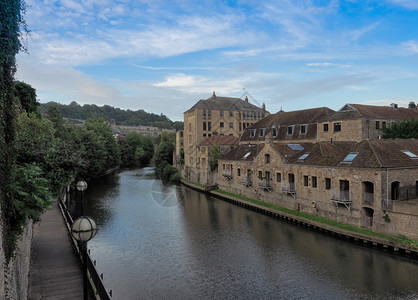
55 271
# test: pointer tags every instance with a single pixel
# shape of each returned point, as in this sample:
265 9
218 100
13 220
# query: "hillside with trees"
113 115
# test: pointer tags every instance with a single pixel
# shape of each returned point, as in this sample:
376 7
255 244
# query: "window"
274 131
231 125
279 177
267 158
337 127
295 147
209 114
262 114
221 124
384 124
290 129
190 126
262 131
410 154
260 175
204 125
303 129
209 125
325 127
246 155
305 180
252 132
239 172
204 135
204 114
328 183
221 113
259 117
231 113
377 125
314 181
303 156
349 158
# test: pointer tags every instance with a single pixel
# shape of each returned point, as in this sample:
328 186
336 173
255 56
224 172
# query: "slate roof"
285 119
240 153
358 111
220 140
370 154
225 103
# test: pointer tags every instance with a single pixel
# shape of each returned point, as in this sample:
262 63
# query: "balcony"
341 197
265 184
227 174
368 198
289 188
247 181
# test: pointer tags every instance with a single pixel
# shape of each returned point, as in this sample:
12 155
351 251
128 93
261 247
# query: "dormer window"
290 129
273 131
262 131
303 129
253 132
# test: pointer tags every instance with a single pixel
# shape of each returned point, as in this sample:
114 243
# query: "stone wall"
16 272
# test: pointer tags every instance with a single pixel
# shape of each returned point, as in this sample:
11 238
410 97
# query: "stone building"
356 122
215 116
300 125
370 183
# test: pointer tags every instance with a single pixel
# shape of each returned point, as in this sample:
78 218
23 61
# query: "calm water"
170 242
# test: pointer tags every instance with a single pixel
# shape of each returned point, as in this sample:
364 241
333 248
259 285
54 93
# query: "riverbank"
360 236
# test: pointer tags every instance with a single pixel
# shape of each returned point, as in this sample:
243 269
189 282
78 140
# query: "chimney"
412 105
246 99
213 95
263 106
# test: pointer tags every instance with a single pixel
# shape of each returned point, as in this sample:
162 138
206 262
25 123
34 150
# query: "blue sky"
164 56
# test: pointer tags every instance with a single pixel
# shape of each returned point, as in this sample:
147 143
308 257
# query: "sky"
164 56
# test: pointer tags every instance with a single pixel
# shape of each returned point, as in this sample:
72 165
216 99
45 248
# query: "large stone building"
215 116
351 176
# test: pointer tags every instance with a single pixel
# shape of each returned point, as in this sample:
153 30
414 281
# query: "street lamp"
82 186
83 230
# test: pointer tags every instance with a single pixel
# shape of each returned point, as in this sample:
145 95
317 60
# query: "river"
170 242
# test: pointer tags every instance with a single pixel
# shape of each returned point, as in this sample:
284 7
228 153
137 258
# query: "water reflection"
172 242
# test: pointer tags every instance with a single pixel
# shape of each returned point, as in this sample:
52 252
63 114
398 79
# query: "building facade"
215 116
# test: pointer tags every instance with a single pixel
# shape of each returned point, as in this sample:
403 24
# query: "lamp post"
82 186
83 230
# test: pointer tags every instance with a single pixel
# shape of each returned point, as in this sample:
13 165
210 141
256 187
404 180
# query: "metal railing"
96 281
247 181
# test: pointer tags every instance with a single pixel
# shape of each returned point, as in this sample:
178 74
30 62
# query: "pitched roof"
243 153
220 140
225 103
286 119
357 111
365 154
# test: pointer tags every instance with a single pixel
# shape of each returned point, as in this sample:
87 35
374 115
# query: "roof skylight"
350 157
410 154
303 156
246 155
295 147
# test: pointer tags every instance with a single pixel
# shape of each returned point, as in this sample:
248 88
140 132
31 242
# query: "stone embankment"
374 242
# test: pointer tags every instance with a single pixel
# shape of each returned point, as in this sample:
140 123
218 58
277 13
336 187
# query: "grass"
399 238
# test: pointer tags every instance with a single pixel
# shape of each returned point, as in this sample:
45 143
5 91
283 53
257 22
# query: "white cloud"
409 4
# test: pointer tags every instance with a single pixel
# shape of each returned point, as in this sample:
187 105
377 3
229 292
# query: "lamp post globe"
81 185
83 230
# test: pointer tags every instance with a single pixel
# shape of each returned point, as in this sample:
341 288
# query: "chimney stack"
412 105
246 99
214 95
263 106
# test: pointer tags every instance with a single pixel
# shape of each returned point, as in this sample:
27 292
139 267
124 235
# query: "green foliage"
215 153
136 150
101 150
111 114
163 162
26 95
406 129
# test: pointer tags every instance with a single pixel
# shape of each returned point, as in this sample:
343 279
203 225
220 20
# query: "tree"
163 162
215 153
136 150
11 23
26 95
406 129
